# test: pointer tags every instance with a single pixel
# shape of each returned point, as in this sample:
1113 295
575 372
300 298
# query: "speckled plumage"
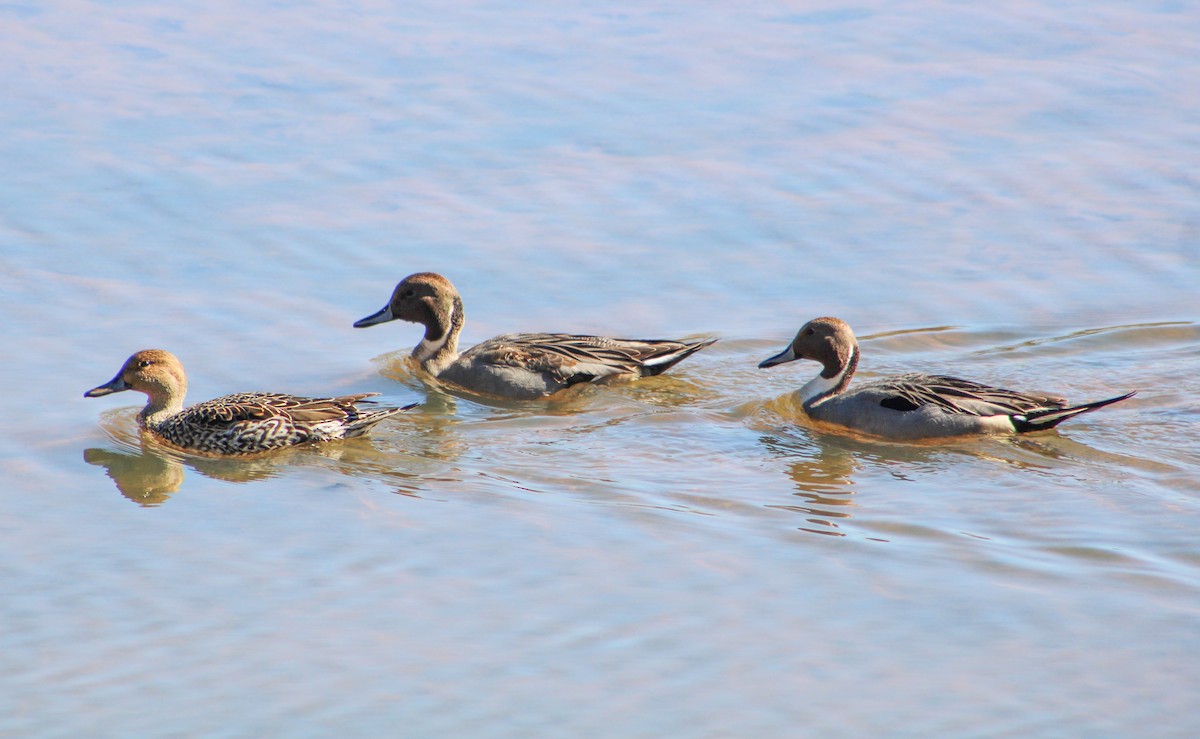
242 423
912 406
253 422
517 366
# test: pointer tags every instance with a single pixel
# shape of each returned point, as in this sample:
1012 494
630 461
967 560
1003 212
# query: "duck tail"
660 363
1048 419
366 421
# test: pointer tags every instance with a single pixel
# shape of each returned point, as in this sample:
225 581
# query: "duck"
912 406
242 423
517 366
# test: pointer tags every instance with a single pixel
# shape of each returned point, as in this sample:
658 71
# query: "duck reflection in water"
148 472
828 468
147 479
822 477
151 473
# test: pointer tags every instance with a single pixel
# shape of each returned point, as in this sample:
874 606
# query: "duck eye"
145 363
811 331
409 293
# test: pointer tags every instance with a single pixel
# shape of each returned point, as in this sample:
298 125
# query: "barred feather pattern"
246 423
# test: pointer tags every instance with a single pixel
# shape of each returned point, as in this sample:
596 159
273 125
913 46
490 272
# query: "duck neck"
164 402
830 382
439 347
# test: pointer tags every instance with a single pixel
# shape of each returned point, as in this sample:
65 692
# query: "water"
1005 193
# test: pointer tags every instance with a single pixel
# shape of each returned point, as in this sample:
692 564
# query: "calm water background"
1007 192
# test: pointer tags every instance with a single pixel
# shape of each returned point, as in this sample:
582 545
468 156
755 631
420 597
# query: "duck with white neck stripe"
912 406
517 366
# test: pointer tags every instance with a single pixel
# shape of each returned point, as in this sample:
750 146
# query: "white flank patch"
999 424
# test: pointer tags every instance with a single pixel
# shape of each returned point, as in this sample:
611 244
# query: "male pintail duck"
912 406
234 424
517 366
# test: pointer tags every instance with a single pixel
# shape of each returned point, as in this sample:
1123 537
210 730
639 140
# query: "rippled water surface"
1006 193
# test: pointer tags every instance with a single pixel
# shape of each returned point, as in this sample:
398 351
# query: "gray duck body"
517 366
912 406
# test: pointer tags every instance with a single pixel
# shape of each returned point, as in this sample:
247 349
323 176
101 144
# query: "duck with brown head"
517 366
243 423
912 406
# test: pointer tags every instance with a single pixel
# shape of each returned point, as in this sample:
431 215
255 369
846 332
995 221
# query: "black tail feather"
1048 419
649 370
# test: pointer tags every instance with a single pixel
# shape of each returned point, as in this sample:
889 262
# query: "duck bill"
115 385
783 357
383 316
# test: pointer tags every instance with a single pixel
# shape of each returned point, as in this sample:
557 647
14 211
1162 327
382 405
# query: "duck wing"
575 358
229 410
912 391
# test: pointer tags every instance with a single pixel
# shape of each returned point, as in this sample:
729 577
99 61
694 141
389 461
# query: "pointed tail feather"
366 421
1048 419
663 362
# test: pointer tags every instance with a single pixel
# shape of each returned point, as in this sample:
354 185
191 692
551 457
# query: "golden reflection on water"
147 479
822 477
150 472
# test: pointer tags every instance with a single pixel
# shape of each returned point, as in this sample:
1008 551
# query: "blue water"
1006 193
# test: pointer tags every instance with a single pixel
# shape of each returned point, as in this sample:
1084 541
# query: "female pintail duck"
234 424
517 366
912 406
